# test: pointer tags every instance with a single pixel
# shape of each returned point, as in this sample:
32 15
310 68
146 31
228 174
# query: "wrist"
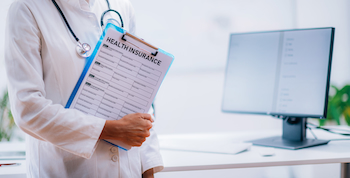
148 174
110 129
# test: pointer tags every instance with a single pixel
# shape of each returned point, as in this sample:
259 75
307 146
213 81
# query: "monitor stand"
294 136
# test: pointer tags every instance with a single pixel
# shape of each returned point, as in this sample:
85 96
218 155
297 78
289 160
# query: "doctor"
43 68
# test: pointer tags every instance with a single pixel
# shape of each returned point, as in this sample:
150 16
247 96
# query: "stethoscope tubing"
65 20
81 50
103 14
111 10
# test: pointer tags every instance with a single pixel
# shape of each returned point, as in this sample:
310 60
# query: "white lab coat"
43 68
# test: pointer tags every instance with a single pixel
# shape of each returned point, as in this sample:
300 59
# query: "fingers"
147 117
147 133
141 138
132 129
146 125
138 141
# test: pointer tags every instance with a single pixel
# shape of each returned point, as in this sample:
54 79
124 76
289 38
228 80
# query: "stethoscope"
83 49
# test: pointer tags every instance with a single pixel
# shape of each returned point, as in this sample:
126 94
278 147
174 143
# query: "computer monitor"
280 73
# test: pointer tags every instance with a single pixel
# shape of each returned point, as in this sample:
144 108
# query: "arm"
68 129
36 115
148 174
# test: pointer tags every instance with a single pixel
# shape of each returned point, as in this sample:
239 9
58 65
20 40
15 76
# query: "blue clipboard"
93 55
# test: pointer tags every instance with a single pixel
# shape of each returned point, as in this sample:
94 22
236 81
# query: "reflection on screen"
284 72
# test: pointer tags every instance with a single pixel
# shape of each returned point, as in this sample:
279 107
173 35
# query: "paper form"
121 79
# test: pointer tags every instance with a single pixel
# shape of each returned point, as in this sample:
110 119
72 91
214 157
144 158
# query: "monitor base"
278 142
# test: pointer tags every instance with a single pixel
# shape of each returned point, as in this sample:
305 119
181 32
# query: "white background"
196 32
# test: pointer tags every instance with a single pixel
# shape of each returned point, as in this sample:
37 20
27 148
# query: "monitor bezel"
325 110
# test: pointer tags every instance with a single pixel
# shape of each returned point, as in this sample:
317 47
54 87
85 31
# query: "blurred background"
197 32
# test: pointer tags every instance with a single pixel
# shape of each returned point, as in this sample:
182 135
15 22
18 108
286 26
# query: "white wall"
196 32
330 13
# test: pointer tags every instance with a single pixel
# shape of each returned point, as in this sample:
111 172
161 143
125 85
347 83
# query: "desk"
12 171
334 152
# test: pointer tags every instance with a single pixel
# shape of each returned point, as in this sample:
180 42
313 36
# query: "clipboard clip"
141 41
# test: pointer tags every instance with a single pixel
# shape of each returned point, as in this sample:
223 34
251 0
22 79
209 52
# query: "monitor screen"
279 73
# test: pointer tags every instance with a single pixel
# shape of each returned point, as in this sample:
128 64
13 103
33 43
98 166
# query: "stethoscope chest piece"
83 49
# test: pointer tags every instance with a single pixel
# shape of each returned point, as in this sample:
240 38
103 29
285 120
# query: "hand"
148 174
132 129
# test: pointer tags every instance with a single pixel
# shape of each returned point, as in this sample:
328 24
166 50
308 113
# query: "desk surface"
333 152
13 171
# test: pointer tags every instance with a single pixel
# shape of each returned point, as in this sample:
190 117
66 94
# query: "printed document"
122 78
